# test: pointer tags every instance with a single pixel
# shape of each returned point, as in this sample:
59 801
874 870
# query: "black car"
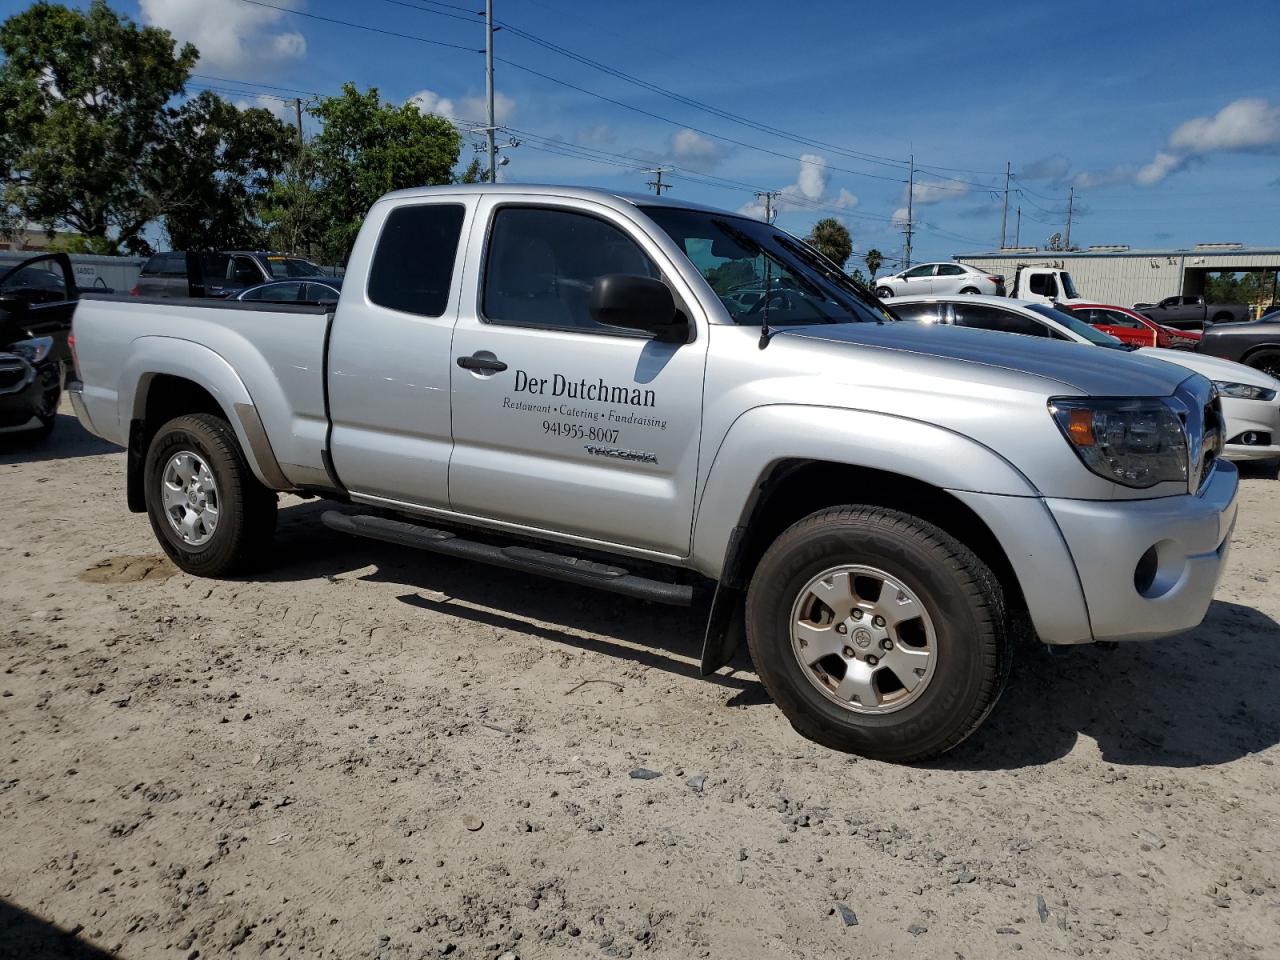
296 291
37 298
1256 343
218 274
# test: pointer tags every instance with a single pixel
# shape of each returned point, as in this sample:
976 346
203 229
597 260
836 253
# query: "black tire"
1268 361
962 597
884 293
969 290
247 509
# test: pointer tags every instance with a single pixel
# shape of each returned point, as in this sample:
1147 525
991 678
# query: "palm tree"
831 238
873 259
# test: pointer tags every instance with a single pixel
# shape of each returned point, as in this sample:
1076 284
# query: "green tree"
229 159
831 238
83 97
289 208
366 148
873 259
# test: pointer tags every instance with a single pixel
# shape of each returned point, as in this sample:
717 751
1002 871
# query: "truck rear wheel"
878 633
209 512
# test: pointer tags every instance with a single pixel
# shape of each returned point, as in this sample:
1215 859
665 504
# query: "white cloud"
926 192
473 110
289 45
1159 168
1093 179
812 188
900 217
280 109
1247 124
691 149
229 34
428 101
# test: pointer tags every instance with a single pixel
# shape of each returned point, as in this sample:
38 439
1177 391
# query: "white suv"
939 278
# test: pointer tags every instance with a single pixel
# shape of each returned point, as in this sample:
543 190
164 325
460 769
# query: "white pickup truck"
559 381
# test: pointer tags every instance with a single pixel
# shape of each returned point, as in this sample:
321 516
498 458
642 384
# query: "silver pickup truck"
570 383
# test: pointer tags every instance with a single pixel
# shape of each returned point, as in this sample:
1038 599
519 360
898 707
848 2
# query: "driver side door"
917 280
560 423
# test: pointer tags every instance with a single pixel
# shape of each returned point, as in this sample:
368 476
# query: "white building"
1121 276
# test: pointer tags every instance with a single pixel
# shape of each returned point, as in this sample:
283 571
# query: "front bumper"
21 391
1189 536
1260 417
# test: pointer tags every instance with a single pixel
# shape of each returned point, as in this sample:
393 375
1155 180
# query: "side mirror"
638 303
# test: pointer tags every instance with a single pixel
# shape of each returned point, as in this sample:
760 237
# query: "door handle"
490 364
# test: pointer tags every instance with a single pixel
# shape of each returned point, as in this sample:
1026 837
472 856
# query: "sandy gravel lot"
369 752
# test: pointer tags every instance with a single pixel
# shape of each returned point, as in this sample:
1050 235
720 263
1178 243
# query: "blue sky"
1164 116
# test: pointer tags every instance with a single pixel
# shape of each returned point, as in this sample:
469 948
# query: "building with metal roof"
1119 275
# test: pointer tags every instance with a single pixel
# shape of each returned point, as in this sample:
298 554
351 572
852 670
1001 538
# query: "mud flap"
135 467
726 628
726 624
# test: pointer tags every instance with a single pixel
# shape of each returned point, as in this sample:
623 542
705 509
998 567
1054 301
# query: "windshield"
1068 287
1092 334
754 267
292 267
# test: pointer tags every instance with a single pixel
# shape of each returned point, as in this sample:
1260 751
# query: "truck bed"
270 355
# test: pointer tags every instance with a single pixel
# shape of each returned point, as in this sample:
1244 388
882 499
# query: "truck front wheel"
209 512
878 633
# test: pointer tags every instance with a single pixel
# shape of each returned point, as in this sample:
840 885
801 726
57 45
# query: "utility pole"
1017 231
488 83
768 196
911 190
1004 210
656 183
297 113
1071 196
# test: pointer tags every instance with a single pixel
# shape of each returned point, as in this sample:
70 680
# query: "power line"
672 94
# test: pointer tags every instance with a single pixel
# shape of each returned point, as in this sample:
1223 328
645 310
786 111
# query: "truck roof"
608 197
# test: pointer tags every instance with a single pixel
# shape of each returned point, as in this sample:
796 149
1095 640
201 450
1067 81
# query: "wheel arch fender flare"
153 357
762 438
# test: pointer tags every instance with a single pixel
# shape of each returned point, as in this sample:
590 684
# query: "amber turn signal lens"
1080 428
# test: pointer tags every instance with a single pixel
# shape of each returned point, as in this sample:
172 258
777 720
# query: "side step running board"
591 573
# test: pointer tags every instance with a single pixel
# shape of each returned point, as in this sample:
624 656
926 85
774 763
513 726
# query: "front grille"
1201 412
13 373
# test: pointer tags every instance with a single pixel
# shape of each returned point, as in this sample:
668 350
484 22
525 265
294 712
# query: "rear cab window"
412 266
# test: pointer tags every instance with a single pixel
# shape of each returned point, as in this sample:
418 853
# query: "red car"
1131 327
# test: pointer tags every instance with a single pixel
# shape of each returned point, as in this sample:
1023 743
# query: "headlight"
1136 442
33 350
1243 391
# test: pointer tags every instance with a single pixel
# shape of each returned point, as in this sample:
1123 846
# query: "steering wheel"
777 300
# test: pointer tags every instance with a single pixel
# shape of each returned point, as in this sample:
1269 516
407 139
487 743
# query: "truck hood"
1087 369
1214 368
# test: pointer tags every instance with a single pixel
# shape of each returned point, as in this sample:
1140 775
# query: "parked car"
209 274
36 301
1256 343
939 278
1044 284
295 291
1130 326
1192 313
1249 407
543 378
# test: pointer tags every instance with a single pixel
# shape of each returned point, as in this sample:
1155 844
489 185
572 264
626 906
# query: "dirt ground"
369 752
